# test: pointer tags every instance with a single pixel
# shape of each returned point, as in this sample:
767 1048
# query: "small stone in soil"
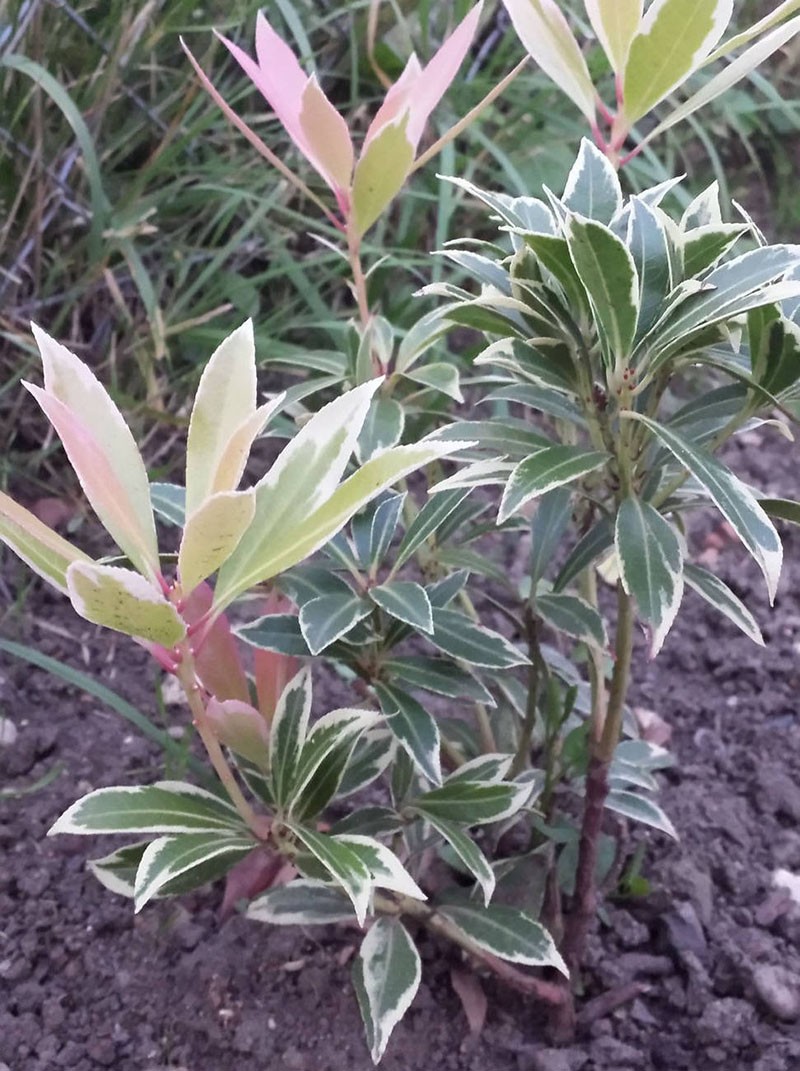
729 1021
779 991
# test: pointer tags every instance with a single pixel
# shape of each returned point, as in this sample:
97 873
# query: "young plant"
634 344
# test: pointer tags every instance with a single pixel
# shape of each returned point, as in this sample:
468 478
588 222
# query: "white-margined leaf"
170 858
326 619
211 535
303 902
405 600
440 375
593 188
336 729
342 863
117 871
414 728
574 616
42 549
370 822
608 272
649 243
539 364
382 428
386 869
467 851
552 467
472 803
434 512
275 632
651 566
548 526
462 639
514 438
288 735
383 527
640 809
506 932
371 755
436 675
733 499
386 977
483 768
720 596
491 473
165 807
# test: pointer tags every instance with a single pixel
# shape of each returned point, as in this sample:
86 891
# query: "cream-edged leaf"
615 22
386 977
100 448
226 396
675 38
545 33
122 600
262 558
42 549
211 535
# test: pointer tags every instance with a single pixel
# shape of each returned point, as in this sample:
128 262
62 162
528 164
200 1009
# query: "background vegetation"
138 227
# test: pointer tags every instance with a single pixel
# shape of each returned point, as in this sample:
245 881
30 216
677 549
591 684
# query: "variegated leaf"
169 858
288 735
37 545
122 600
211 535
386 977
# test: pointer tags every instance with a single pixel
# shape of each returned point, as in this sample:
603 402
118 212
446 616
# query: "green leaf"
781 508
549 524
436 675
326 619
781 12
169 858
414 728
543 471
674 39
275 632
424 334
574 616
382 429
472 803
380 173
342 863
541 398
169 502
303 902
122 600
553 253
545 33
489 767
506 932
459 637
720 596
651 566
386 977
593 188
405 600
640 809
369 759
467 851
615 22
733 499
441 376
288 735
372 821
165 807
608 272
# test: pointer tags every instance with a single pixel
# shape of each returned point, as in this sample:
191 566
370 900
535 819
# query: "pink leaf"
440 72
396 101
240 727
216 654
273 671
101 484
252 875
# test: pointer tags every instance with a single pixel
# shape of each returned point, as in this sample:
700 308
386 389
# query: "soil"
712 950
